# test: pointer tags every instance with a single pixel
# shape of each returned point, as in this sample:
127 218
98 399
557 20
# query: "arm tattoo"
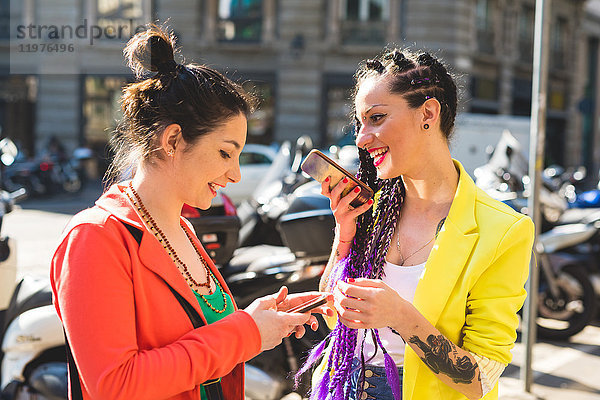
437 356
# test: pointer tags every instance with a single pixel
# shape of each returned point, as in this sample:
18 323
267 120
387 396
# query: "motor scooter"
566 293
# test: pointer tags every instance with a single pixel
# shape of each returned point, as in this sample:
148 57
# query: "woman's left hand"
287 301
368 303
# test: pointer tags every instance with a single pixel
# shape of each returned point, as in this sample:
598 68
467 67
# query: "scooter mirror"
8 151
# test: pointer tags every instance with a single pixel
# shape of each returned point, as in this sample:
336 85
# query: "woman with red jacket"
127 268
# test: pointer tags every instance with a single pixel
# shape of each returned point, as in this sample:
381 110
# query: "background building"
299 56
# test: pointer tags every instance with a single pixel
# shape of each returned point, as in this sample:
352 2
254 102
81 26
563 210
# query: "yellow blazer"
473 285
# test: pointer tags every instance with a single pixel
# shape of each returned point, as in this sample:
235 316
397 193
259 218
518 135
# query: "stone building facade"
299 56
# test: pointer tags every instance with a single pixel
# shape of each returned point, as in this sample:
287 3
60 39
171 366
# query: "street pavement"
562 370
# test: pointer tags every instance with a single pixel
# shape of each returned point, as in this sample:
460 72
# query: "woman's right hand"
274 325
345 215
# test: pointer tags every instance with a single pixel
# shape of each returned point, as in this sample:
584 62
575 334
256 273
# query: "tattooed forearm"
441 356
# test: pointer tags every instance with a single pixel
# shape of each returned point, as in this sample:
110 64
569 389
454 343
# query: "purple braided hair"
366 260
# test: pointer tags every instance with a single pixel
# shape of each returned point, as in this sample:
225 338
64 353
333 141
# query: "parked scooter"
13 328
567 299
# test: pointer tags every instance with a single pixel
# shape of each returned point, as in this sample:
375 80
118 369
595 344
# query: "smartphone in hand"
319 166
310 304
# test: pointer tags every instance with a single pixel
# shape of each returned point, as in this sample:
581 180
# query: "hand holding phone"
310 304
319 166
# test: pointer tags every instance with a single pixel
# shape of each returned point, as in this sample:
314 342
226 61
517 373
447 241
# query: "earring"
171 153
426 126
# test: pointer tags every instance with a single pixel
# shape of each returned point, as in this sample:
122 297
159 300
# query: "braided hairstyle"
196 97
416 78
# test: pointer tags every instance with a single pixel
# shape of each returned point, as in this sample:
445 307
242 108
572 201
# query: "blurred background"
61 76
299 56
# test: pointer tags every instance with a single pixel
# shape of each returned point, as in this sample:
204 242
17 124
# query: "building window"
526 25
521 101
120 19
557 100
338 110
4 19
18 96
262 120
558 39
336 121
101 108
240 20
119 11
364 21
101 112
485 95
485 27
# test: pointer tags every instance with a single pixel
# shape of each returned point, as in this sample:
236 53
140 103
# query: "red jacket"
130 337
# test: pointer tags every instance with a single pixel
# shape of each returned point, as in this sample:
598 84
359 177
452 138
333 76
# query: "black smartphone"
319 166
310 304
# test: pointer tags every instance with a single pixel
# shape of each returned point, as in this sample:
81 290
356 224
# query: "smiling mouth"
378 155
214 187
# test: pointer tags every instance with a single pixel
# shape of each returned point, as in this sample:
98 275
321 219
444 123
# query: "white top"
403 279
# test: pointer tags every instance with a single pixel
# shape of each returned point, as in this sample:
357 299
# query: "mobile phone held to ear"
319 166
310 304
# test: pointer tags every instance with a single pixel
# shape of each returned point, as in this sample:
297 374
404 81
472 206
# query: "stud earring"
171 153
426 126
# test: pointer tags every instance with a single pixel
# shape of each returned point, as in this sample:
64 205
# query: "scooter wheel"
572 310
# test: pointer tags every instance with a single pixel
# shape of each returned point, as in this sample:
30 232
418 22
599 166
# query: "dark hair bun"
151 50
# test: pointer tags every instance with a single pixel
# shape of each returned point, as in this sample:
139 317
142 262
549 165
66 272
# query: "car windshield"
270 185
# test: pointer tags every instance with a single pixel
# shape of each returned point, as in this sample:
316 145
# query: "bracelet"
345 241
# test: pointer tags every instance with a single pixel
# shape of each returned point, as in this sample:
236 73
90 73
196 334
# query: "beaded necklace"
181 266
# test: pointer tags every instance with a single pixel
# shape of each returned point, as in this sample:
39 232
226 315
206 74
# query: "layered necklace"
136 200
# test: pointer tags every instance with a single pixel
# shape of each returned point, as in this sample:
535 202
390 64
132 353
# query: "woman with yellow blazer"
428 283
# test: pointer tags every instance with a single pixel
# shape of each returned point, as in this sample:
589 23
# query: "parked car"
254 163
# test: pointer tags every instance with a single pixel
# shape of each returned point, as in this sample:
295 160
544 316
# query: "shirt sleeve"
490 371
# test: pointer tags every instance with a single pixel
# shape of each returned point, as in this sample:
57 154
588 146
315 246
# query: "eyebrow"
373 106
233 142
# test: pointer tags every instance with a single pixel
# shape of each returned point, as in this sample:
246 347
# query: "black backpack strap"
191 312
74 382
213 388
135 232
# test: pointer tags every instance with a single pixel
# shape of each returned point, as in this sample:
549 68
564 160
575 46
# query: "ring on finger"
350 208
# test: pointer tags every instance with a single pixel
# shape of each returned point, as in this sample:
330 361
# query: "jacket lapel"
151 253
450 252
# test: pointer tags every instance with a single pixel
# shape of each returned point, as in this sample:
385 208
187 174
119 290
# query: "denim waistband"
372 369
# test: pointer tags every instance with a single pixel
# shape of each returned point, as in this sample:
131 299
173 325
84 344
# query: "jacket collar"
451 250
151 253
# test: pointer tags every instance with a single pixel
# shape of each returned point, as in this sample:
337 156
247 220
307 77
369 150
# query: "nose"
235 174
364 138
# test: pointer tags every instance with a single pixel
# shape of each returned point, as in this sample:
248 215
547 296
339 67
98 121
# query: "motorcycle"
567 298
566 295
